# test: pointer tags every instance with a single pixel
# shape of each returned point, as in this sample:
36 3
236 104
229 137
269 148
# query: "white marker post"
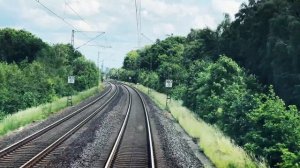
71 80
168 84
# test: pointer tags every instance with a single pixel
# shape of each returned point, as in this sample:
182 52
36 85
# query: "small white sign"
71 79
169 83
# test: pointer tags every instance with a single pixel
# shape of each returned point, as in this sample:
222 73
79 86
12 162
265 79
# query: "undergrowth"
22 118
220 149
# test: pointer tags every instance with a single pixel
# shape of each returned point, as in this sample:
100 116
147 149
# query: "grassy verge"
33 114
220 149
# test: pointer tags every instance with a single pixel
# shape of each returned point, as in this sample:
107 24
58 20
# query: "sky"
117 18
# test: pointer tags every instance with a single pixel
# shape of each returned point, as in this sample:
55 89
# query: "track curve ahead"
133 146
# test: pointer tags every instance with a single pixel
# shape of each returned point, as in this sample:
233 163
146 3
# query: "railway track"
133 146
30 150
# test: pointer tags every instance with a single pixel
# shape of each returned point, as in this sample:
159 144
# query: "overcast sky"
116 18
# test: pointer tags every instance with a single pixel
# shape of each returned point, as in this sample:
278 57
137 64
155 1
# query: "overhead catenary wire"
68 23
81 18
89 41
146 37
61 18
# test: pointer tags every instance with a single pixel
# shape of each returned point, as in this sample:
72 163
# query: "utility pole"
102 66
101 69
98 69
72 38
99 33
70 77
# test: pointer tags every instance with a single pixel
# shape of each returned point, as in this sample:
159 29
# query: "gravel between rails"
88 146
173 147
96 152
19 134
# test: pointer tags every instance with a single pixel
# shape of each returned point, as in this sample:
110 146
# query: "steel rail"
149 130
37 134
122 130
53 146
118 140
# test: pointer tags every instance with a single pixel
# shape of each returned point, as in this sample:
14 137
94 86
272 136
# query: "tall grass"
33 114
220 149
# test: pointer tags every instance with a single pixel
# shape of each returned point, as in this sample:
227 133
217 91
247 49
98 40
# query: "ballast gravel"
172 143
96 152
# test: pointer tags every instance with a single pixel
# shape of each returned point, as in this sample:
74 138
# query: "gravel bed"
96 152
173 146
88 147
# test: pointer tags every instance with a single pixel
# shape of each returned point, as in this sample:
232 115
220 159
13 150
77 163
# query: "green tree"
18 45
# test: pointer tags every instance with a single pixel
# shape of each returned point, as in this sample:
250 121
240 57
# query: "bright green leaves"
131 60
40 71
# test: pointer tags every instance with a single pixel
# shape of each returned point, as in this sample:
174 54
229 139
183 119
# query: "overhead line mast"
138 7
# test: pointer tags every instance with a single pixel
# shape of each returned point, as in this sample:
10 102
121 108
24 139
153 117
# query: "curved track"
133 146
30 150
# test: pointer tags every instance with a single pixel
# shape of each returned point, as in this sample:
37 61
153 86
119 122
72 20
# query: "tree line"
33 72
242 77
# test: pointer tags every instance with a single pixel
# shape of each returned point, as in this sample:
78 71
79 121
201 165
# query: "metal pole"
69 98
72 38
98 69
102 70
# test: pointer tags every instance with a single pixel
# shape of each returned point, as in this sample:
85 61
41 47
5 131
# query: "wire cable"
89 41
69 6
69 24
61 18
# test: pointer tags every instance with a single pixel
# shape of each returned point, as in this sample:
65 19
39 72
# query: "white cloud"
41 18
81 25
162 9
227 6
163 28
203 21
85 8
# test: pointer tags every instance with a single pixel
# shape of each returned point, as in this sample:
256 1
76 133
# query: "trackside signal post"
168 84
71 80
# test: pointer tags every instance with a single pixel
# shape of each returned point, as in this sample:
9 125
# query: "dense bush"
261 122
29 77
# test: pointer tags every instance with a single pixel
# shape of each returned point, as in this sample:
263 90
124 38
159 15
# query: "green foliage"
260 122
149 79
19 119
265 39
32 72
131 60
86 74
218 147
18 45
